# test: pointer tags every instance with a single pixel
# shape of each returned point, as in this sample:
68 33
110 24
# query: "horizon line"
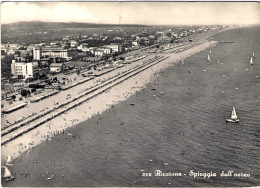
138 24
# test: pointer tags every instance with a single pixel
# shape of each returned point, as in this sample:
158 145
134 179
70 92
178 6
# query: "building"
164 39
44 62
106 50
55 52
54 43
99 52
83 47
145 41
114 47
19 58
134 43
57 67
23 69
73 43
8 50
37 53
92 50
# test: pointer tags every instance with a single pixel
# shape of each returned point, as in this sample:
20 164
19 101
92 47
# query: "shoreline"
95 106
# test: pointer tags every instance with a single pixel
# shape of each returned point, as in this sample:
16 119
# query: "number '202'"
146 174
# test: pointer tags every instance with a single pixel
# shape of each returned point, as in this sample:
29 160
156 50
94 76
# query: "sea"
176 125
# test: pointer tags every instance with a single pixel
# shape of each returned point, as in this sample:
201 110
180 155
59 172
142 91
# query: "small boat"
49 178
7 175
209 58
233 118
9 161
69 134
251 61
226 41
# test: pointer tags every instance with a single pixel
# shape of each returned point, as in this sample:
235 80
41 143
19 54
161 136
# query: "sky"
150 13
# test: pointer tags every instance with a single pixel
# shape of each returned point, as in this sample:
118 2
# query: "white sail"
251 61
7 173
253 54
9 159
209 58
234 114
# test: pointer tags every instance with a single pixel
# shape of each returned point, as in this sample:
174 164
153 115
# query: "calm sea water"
178 127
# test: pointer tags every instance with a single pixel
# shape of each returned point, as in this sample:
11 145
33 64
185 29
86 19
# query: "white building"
83 47
73 43
56 67
106 50
37 52
55 52
134 43
23 69
115 47
92 50
99 52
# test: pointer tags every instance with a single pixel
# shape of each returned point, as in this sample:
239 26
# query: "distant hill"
35 32
62 25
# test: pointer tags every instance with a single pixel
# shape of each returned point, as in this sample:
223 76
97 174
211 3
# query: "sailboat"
7 175
253 55
209 58
233 118
251 61
9 161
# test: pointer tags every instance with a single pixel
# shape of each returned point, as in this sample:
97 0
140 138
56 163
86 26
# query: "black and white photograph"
130 94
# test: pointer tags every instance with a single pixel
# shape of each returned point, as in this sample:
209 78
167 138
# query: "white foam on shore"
95 106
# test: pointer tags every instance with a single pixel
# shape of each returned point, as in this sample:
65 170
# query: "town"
40 62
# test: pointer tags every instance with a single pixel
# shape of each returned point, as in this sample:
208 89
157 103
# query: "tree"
33 90
17 52
168 34
24 93
6 65
14 97
28 92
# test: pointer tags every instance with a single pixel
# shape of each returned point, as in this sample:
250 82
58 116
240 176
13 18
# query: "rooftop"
54 49
56 64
